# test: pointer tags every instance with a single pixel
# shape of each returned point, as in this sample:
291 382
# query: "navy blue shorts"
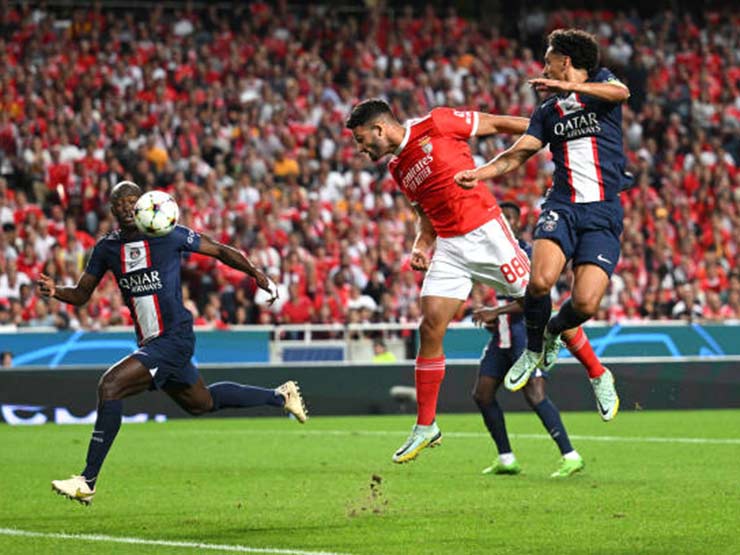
587 233
496 361
168 358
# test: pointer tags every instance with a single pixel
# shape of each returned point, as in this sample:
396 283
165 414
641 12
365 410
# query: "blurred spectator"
688 306
6 359
11 280
381 354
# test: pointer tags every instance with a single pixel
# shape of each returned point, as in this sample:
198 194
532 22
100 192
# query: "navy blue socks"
550 417
567 318
230 395
537 312
493 416
106 428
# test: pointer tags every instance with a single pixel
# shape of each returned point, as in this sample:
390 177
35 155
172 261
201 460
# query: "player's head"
570 48
513 214
370 123
122 201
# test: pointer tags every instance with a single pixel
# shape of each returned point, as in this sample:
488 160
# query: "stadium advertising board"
67 396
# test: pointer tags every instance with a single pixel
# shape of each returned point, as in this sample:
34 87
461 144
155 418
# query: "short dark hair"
580 46
512 205
368 111
125 188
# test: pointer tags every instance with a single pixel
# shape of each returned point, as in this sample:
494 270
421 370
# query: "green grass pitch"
655 483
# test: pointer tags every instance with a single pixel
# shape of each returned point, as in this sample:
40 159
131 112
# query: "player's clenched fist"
46 285
419 260
466 179
265 283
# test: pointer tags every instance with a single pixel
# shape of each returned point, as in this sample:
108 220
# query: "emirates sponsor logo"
418 173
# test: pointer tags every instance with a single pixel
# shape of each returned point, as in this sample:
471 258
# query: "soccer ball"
156 213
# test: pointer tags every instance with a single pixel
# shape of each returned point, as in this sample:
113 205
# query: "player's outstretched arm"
424 241
509 160
487 315
77 295
614 91
236 259
488 124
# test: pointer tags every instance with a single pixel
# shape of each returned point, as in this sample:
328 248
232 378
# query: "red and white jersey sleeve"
433 150
456 123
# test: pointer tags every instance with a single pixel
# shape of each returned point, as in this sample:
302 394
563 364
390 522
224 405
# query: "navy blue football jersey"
147 270
585 138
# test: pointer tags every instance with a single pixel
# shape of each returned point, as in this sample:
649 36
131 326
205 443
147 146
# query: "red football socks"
429 374
580 347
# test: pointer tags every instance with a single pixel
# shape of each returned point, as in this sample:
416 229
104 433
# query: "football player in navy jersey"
508 340
147 270
581 218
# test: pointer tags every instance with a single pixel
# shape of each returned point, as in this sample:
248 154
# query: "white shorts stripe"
504 331
148 316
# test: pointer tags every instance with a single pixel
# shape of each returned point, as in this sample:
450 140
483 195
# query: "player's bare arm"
615 92
76 295
488 314
509 160
236 259
488 124
424 241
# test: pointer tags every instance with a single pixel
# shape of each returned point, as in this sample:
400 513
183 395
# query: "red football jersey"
433 150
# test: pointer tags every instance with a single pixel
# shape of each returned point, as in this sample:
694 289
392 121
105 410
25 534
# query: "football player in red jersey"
472 240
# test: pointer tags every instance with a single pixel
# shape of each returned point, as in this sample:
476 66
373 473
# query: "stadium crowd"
240 115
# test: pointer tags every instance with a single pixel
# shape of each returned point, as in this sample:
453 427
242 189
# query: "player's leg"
589 285
601 378
596 252
437 313
492 367
577 343
594 261
198 399
549 415
548 261
123 379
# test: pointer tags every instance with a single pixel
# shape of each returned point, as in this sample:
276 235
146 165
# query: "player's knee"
109 389
533 397
534 393
540 284
586 304
482 397
431 330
